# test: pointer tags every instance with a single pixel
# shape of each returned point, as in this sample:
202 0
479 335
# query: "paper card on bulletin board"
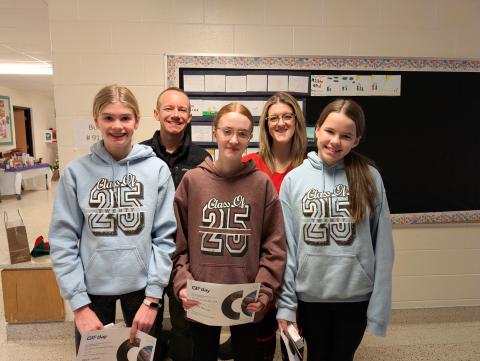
211 107
236 84
203 107
255 106
202 133
310 134
256 83
277 83
215 83
196 106
194 83
298 84
255 134
86 134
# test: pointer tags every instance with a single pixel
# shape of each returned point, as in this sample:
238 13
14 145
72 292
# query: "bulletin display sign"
410 104
6 127
86 133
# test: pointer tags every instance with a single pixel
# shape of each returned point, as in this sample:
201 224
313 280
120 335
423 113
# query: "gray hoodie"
329 258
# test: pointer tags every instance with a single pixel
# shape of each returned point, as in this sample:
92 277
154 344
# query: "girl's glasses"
287 118
241 134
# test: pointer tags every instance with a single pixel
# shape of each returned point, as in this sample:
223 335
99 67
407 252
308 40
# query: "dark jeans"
333 331
180 346
104 308
206 338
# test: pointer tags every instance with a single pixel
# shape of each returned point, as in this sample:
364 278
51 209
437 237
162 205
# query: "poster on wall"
6 129
86 133
356 85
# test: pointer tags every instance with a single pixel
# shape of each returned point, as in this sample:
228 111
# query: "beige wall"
43 117
95 43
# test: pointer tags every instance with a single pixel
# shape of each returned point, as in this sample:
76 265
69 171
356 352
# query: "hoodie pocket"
113 263
221 273
332 277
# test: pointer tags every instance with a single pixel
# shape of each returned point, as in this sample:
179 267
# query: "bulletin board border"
230 61
173 63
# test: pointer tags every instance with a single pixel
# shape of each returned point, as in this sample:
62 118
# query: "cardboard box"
30 295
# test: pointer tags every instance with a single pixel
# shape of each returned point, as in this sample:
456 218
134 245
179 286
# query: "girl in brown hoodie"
229 230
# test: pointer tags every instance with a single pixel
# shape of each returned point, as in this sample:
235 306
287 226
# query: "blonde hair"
361 184
299 139
112 94
233 108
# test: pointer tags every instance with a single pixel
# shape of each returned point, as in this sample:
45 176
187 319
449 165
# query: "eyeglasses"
287 118
241 134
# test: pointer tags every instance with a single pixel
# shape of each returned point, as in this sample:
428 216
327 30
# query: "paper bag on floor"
17 239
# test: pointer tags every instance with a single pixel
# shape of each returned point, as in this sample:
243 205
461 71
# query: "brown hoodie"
229 229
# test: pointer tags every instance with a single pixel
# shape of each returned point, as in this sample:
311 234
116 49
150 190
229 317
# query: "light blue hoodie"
330 259
113 226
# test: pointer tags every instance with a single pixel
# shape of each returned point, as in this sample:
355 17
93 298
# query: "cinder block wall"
95 43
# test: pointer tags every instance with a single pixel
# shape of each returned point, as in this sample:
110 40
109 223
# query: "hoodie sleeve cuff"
154 291
287 314
376 329
79 300
263 298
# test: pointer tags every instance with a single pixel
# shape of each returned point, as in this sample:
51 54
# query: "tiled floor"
421 335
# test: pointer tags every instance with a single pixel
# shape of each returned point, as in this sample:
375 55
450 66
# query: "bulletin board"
423 130
6 121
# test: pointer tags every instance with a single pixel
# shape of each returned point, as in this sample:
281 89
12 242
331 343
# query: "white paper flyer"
114 344
221 305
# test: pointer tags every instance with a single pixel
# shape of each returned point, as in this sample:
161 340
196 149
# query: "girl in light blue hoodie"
113 224
338 278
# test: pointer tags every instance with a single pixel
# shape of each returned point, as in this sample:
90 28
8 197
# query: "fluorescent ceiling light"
26 69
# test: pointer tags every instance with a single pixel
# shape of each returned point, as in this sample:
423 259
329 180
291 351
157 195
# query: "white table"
29 178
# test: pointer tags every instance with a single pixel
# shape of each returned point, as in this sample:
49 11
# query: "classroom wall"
95 43
43 117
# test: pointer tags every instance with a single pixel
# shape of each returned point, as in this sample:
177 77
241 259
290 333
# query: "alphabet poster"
356 85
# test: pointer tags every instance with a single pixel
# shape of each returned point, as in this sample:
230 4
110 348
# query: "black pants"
266 335
333 331
104 308
180 344
206 338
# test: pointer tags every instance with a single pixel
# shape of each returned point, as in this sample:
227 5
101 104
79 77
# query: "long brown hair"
361 184
299 139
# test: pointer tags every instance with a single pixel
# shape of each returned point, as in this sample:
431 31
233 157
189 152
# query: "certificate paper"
221 305
113 344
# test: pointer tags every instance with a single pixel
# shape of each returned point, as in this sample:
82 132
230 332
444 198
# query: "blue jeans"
104 308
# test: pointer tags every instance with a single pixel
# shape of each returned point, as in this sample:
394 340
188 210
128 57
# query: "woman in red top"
283 138
283 145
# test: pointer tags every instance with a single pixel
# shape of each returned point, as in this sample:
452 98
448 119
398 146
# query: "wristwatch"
151 303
